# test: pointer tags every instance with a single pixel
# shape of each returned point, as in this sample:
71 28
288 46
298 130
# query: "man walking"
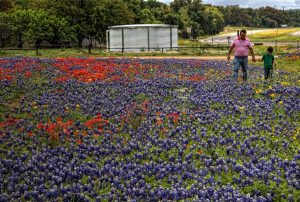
241 46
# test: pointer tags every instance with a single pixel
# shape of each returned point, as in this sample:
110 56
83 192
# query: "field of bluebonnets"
87 129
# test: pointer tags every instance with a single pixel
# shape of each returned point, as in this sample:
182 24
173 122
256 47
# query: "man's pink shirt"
241 47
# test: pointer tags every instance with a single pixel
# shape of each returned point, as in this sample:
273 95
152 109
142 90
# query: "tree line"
71 21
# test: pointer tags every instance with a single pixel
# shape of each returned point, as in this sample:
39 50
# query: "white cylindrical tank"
142 37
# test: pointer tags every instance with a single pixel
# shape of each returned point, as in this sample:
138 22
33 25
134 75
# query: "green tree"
293 17
20 21
151 4
110 13
6 33
195 11
38 25
268 22
44 26
135 6
269 15
147 17
176 5
185 19
185 22
79 14
233 15
214 21
5 5
172 19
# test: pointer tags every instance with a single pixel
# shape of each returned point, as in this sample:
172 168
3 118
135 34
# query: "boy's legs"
271 73
267 72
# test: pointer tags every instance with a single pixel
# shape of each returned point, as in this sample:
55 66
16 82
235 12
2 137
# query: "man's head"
270 49
243 34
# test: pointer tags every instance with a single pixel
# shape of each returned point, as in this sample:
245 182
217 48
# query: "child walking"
268 60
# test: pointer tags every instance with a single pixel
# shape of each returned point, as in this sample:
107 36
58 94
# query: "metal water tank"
142 37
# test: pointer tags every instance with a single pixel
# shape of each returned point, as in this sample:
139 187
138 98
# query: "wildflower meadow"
120 129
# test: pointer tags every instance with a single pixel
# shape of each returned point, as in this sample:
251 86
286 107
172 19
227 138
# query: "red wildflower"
200 151
9 77
30 134
174 116
28 74
40 125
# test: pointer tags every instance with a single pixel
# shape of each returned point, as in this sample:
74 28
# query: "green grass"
186 52
97 52
195 50
282 63
230 29
280 34
290 65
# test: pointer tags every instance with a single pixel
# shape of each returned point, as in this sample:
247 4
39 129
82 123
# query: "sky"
288 4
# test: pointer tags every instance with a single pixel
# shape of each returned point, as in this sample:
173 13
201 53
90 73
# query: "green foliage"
5 5
39 25
73 20
5 29
262 17
110 13
147 16
271 17
213 15
43 26
236 16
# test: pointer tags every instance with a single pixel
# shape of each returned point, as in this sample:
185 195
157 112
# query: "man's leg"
236 67
244 68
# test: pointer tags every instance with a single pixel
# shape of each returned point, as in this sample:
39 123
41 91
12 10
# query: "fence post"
37 50
90 47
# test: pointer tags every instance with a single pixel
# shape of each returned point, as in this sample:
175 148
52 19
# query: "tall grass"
280 34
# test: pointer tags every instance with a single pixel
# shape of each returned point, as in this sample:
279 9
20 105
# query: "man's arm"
273 61
252 53
262 58
229 52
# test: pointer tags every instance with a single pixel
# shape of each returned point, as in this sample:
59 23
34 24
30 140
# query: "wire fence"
90 50
162 50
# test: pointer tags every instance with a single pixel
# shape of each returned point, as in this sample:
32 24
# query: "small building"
142 37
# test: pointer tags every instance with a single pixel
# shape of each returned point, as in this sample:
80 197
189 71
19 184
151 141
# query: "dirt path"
296 33
221 57
184 57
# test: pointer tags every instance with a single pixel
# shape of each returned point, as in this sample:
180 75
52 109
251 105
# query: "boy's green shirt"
268 59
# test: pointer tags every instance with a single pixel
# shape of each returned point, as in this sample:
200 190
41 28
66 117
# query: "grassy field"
290 64
281 34
229 29
196 50
282 64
